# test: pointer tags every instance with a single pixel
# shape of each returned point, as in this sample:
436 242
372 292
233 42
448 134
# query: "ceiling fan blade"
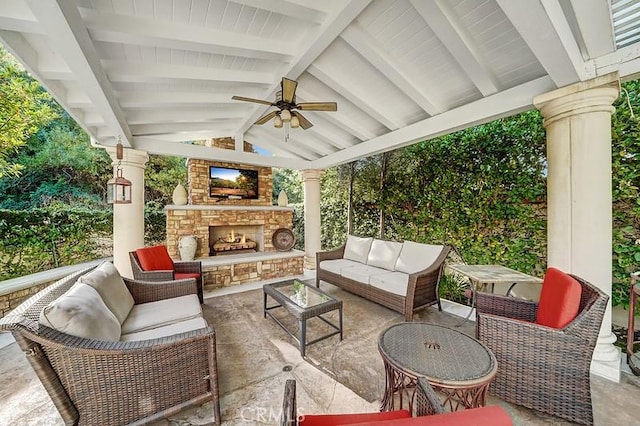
257 101
288 89
317 106
304 123
266 118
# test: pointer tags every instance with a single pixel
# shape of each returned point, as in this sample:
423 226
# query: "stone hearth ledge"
226 207
234 259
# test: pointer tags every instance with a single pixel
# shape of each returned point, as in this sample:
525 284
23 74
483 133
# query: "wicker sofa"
401 276
112 351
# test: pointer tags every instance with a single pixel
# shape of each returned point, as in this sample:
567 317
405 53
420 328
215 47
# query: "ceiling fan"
288 109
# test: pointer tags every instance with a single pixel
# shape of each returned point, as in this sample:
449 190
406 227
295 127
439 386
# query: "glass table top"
302 294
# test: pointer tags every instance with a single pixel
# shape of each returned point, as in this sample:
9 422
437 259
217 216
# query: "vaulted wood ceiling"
159 73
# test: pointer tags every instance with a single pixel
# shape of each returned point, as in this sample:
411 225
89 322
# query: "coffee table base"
404 386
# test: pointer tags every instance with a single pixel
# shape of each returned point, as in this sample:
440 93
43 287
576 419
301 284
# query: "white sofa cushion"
415 257
147 316
384 254
167 330
81 312
362 273
357 248
337 265
393 282
109 284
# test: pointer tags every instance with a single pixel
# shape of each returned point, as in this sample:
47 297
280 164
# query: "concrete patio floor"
255 358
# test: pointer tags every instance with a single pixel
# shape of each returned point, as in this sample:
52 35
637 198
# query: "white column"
128 219
577 119
311 179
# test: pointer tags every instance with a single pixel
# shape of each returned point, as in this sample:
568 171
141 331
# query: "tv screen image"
226 182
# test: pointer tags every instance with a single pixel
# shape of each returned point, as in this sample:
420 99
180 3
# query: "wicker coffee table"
304 301
455 364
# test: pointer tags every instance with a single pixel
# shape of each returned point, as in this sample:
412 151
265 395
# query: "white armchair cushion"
167 330
81 312
384 254
109 284
337 265
415 257
357 248
147 316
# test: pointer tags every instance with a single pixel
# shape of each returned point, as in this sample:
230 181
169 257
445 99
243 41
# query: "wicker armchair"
428 410
542 368
183 269
95 382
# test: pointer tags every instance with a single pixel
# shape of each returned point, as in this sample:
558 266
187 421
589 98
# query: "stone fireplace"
247 255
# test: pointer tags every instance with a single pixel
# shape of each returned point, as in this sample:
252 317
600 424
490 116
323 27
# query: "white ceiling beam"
122 71
76 98
365 101
596 27
502 104
322 131
132 30
287 8
185 136
20 25
260 134
308 140
381 59
159 147
164 115
559 55
164 128
140 99
446 26
64 28
626 61
275 146
309 50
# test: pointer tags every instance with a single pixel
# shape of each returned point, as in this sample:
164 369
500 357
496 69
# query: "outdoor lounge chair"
428 410
155 264
545 367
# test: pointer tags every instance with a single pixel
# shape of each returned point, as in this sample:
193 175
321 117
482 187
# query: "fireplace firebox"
239 239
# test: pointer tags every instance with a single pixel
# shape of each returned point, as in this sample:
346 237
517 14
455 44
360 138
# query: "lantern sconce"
119 188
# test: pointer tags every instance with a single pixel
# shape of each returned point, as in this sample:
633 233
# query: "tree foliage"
24 108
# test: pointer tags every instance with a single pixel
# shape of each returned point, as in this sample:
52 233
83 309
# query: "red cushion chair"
544 349
428 409
154 264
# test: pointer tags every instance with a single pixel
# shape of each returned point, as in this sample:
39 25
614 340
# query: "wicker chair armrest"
427 401
188 267
505 306
435 268
154 275
151 291
289 416
329 255
528 337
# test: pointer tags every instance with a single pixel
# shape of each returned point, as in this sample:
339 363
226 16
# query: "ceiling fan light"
285 114
277 122
295 122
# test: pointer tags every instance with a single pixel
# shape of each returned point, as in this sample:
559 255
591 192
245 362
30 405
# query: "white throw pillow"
415 257
384 254
114 292
81 312
357 248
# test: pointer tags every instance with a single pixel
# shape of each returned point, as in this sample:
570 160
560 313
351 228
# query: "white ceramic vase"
179 196
283 200
187 247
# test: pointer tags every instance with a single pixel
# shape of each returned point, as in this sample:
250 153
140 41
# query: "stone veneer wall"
196 222
198 172
11 300
240 273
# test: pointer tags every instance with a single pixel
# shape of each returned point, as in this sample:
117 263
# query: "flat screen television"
226 182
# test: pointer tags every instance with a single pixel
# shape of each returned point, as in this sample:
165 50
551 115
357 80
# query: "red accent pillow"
493 415
347 419
155 258
559 299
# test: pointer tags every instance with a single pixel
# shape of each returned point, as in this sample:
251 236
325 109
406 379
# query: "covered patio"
158 75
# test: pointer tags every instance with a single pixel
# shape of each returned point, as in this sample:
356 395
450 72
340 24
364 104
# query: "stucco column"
311 179
128 219
577 119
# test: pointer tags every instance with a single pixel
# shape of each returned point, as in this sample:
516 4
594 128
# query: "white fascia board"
505 103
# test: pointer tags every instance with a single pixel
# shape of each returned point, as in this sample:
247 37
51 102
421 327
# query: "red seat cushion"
178 276
155 258
559 299
347 419
493 415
